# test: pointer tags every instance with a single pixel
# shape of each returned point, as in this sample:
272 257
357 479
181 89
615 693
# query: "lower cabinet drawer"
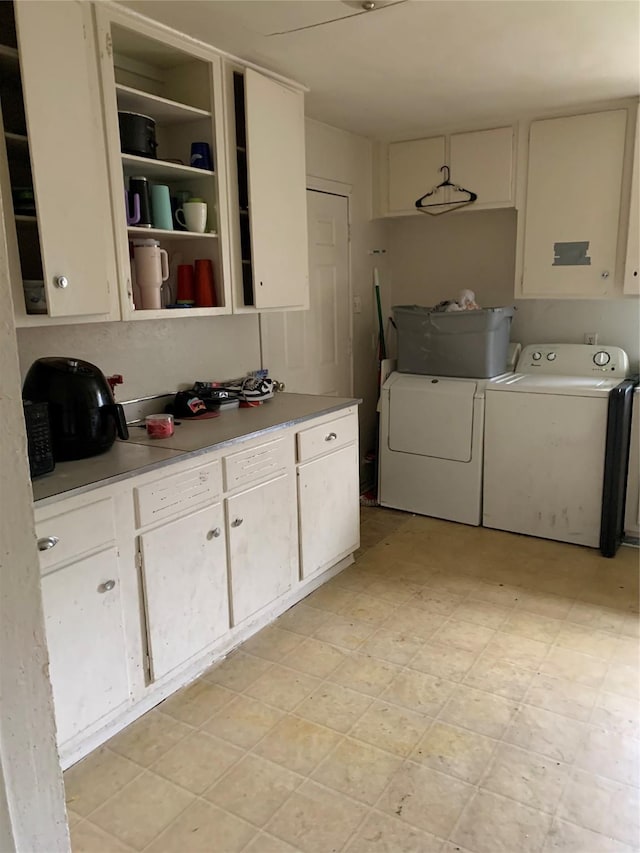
255 464
63 537
172 495
327 437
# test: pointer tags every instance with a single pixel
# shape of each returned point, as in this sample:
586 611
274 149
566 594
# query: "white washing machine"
545 440
430 448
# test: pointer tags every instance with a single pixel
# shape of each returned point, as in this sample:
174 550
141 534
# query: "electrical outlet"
591 338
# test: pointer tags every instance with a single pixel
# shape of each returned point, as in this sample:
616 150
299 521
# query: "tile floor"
457 689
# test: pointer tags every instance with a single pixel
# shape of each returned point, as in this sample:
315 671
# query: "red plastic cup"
204 287
186 287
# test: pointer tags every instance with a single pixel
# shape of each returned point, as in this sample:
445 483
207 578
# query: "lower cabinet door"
184 569
85 635
329 509
263 545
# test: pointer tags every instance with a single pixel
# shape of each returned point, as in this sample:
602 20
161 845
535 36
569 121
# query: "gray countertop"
141 453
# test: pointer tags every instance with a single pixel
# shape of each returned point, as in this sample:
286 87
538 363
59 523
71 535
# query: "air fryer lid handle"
116 410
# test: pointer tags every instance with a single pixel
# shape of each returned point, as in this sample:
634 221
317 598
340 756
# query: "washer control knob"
551 356
536 356
601 358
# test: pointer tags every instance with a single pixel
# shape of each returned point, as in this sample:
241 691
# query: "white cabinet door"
573 205
277 192
262 545
68 157
184 570
482 161
632 261
414 169
329 509
85 634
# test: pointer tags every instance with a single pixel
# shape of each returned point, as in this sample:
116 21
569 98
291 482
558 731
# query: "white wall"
432 259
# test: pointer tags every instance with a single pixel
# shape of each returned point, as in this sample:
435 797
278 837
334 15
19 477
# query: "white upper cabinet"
57 170
268 210
632 260
572 212
414 169
482 161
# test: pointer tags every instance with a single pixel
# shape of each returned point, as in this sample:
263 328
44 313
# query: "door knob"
237 522
213 534
61 281
47 542
107 586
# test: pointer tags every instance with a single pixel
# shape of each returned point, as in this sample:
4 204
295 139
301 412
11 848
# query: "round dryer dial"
536 356
601 358
551 356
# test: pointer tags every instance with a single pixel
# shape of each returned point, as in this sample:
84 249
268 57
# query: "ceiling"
408 68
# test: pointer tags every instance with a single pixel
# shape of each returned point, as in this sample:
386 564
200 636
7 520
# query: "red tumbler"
186 288
204 287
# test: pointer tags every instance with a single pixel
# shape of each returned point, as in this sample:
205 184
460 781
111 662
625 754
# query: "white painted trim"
324 185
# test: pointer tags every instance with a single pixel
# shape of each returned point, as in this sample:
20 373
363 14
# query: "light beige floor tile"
592 616
383 834
443 661
562 696
498 593
316 820
358 770
314 658
532 625
254 789
499 676
96 778
493 824
602 806
197 761
532 779
282 687
419 692
425 798
148 738
622 680
355 578
197 702
238 671
547 733
141 810
574 666
614 756
464 635
272 643
482 612
334 706
366 608
331 598
345 633
415 622
302 619
617 714
588 641
394 646
478 711
457 584
87 838
627 652
243 722
364 674
297 744
265 843
203 828
630 625
566 837
394 590
545 604
455 751
395 729
522 651
436 601
72 817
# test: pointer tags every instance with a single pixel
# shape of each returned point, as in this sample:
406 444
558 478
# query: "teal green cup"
161 207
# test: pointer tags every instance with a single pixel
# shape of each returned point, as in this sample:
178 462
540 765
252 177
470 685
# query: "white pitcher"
152 269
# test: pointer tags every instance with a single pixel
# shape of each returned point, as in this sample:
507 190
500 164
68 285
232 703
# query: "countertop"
141 453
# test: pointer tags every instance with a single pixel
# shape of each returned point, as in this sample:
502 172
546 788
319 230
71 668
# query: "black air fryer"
83 417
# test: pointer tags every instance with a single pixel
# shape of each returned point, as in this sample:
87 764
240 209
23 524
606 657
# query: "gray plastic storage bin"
455 343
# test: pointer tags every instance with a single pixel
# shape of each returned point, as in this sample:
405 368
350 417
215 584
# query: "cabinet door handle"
47 542
107 586
213 534
331 437
237 522
61 281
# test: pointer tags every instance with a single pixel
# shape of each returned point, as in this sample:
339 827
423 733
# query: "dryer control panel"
573 360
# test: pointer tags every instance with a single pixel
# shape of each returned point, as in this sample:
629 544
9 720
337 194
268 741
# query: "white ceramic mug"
152 269
193 216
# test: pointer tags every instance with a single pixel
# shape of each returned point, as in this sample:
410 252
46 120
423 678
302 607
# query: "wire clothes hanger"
448 205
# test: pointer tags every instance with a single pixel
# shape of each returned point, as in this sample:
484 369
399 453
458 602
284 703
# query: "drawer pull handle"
237 522
331 437
61 281
107 586
213 534
47 542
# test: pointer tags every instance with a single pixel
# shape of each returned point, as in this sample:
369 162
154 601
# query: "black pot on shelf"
137 134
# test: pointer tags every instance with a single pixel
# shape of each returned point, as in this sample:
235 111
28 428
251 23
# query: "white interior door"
310 351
